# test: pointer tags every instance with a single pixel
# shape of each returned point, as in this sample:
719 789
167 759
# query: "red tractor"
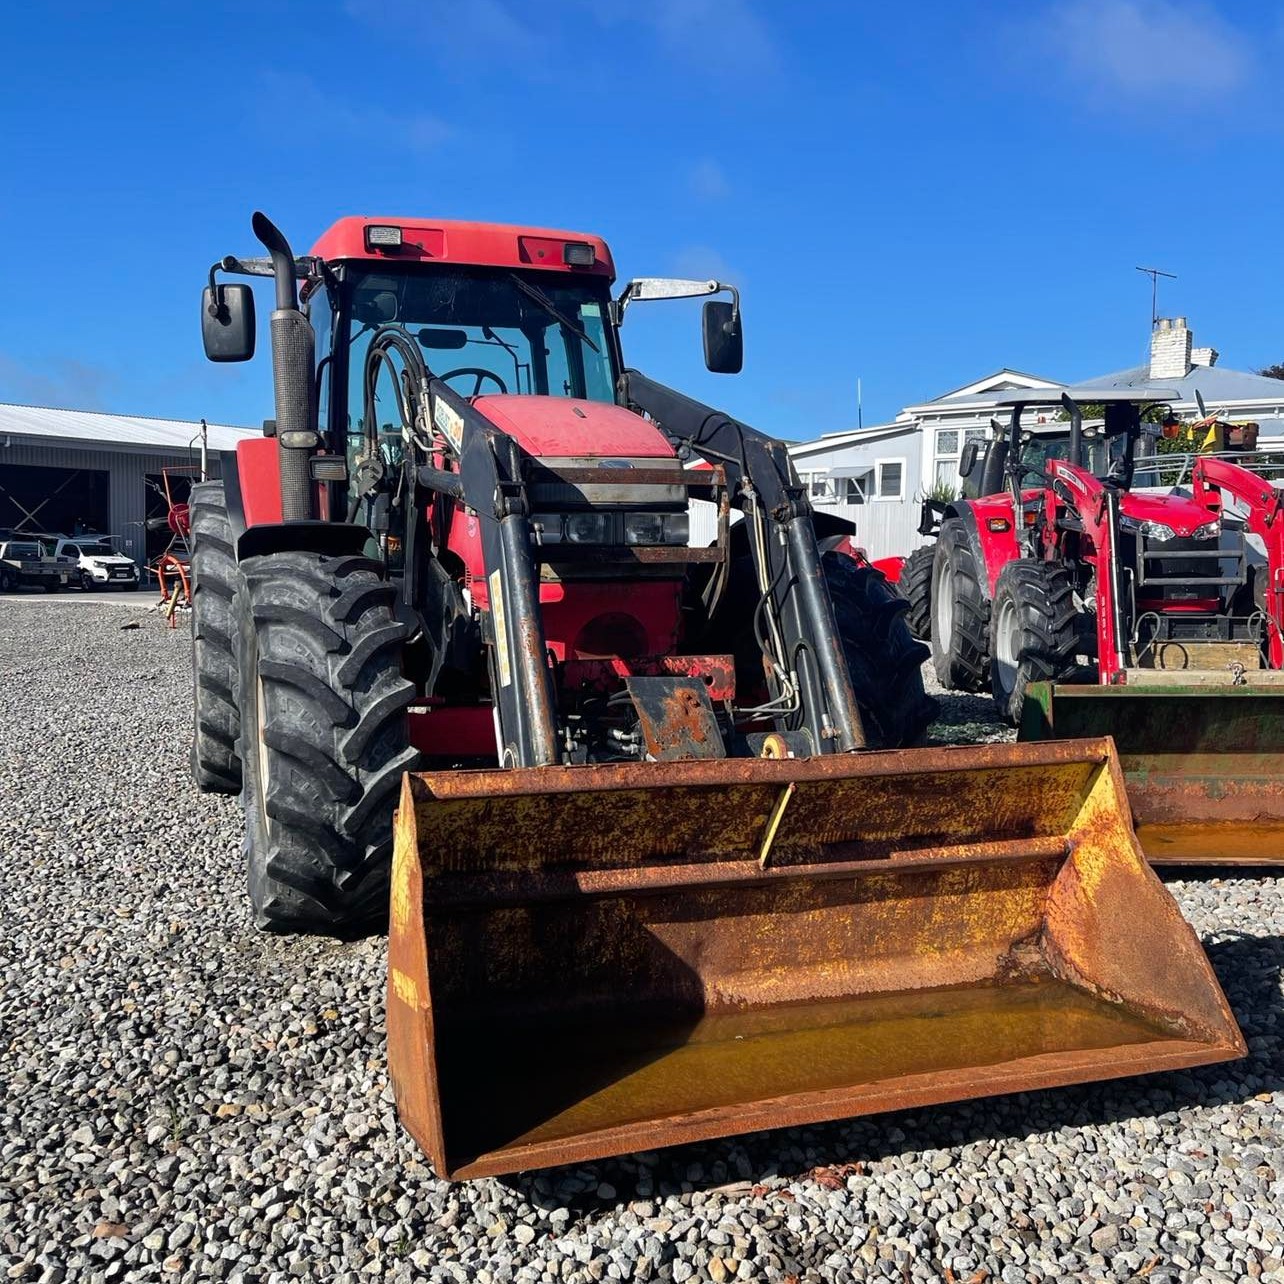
1177 596
950 583
1150 584
500 549
646 884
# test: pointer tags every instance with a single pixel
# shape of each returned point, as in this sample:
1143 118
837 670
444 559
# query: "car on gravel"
98 563
25 563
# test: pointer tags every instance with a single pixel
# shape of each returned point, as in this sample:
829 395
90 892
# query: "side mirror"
227 322
724 345
967 460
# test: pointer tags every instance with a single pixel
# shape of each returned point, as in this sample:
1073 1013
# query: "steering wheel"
479 377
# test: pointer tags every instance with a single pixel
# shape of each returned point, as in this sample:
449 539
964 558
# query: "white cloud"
709 181
57 381
1144 48
721 35
703 263
469 33
302 98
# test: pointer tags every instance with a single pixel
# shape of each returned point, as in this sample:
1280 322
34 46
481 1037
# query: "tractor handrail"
1264 517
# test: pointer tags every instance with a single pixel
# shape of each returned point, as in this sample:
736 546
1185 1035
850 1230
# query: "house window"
949 449
853 490
891 479
819 486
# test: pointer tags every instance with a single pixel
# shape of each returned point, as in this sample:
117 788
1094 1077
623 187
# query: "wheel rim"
943 607
1006 645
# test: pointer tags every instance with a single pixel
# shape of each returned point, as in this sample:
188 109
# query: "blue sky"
911 194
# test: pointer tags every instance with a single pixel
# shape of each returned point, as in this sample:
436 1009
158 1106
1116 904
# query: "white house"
878 477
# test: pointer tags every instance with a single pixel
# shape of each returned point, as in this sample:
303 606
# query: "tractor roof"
451 241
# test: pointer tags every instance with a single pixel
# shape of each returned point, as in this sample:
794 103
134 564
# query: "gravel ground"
187 1099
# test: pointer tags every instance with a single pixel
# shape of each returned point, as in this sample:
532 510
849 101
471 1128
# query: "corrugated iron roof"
94 427
1214 383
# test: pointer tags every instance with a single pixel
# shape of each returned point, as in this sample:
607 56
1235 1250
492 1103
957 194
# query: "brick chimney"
1204 356
1170 349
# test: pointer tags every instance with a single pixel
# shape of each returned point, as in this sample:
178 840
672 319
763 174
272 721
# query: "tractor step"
1233 675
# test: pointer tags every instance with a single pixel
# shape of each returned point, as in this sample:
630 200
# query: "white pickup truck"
25 562
99 564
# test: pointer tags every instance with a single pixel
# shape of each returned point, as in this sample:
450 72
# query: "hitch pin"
773 824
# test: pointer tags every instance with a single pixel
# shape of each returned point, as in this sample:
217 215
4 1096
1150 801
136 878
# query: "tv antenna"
1154 274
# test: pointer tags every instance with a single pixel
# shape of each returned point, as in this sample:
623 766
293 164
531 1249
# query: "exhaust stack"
293 361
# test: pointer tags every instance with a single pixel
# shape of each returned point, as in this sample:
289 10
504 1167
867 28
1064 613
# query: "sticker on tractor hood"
449 421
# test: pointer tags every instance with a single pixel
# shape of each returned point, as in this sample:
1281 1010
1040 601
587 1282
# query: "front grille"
1181 564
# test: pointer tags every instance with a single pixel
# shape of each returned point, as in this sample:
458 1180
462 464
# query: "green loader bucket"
1204 765
587 961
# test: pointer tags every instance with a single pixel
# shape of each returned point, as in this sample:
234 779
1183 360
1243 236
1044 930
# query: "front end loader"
665 864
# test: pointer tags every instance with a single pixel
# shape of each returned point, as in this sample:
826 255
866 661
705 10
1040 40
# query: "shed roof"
94 427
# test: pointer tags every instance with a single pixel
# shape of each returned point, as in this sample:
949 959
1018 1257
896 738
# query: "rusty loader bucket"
588 961
1202 764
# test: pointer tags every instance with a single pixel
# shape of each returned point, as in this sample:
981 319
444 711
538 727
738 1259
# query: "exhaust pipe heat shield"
588 961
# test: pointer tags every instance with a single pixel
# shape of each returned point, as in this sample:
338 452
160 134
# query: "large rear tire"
216 764
960 612
916 588
323 741
883 659
1035 631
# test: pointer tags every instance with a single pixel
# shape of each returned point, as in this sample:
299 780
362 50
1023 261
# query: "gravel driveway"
185 1098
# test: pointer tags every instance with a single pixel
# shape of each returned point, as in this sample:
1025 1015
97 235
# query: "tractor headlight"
1151 530
656 528
644 528
1209 530
587 528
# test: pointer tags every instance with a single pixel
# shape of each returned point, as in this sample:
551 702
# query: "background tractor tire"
1034 630
324 740
216 763
960 612
916 588
884 660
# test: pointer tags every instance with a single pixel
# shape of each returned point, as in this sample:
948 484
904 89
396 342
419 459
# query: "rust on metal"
586 961
676 718
1202 764
625 555
717 672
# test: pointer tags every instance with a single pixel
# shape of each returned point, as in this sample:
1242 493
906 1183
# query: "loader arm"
1096 507
807 656
1264 505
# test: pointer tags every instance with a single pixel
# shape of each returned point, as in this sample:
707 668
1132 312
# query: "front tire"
216 763
324 740
883 659
916 587
1035 631
960 612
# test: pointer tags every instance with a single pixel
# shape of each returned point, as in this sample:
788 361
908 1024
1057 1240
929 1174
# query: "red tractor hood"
1177 511
552 427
